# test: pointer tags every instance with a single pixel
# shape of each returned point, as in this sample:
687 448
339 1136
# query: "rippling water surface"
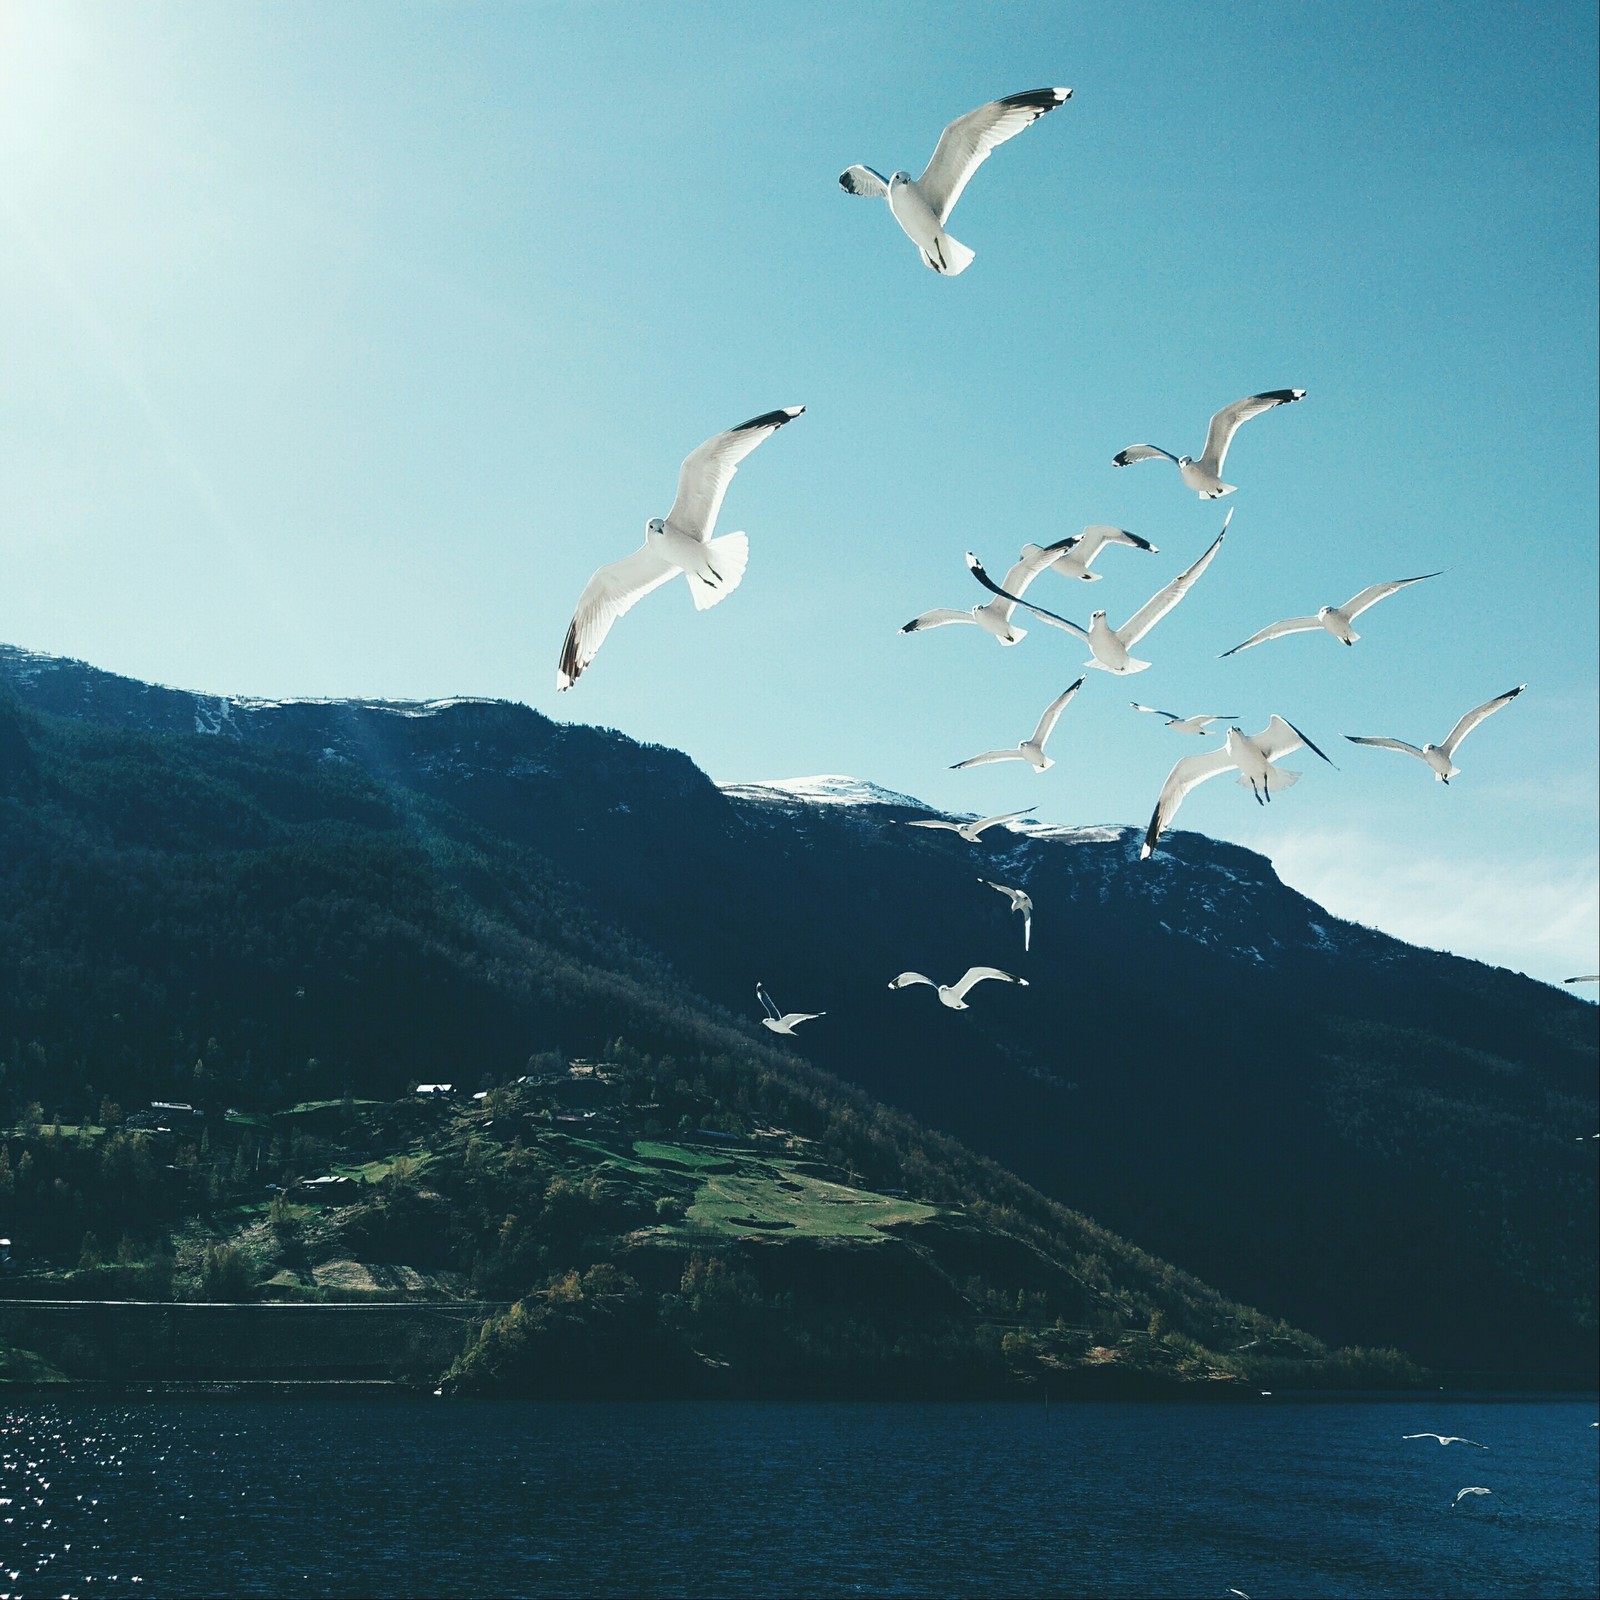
414 1497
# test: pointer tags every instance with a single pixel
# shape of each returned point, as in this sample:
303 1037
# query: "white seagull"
1446 1438
1336 619
1461 1494
1110 646
1199 725
782 1022
1021 901
995 616
1441 757
679 542
954 995
923 205
1205 475
1073 556
1031 749
1251 754
970 830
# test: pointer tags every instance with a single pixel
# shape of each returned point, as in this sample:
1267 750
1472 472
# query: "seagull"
1336 619
1021 901
1441 757
787 1021
1199 725
1110 645
970 830
1073 556
679 542
1252 754
923 205
1461 1494
1205 475
954 995
1031 749
1446 1438
994 617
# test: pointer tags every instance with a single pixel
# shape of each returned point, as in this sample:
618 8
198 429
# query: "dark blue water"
196 1496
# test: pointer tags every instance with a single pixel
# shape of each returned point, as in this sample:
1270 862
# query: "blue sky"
338 345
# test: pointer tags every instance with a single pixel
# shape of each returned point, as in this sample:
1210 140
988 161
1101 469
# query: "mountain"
1374 1142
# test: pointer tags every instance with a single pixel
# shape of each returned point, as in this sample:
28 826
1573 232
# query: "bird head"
897 178
1185 461
1323 611
654 528
1097 616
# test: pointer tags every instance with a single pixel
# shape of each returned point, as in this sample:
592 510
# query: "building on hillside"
435 1091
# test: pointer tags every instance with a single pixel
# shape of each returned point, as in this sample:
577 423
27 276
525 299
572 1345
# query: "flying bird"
1446 1438
970 830
954 995
1199 725
1205 475
1031 749
679 542
1109 646
1021 901
1252 755
782 1022
1336 619
923 205
995 616
1441 757
1461 1494
1073 556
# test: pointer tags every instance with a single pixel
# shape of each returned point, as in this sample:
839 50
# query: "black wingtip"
1120 459
1284 397
770 419
1040 100
910 627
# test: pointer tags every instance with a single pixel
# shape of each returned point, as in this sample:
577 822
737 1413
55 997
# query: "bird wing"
1387 744
1095 538
1475 716
1275 630
1279 739
935 822
976 975
766 1002
937 619
792 1019
1189 772
906 979
964 146
1033 560
988 756
864 181
706 472
1227 421
1171 716
1160 603
1007 816
975 566
615 589
1027 924
1142 452
1052 713
1371 595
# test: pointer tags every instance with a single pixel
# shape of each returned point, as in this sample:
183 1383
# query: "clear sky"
339 344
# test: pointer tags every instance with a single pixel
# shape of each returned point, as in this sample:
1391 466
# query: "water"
416 1497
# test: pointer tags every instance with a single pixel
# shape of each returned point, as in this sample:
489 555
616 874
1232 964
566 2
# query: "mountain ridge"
1318 1162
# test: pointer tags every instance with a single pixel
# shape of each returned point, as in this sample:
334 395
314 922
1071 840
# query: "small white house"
435 1091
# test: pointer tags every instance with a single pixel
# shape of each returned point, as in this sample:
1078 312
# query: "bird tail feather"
1276 780
956 256
726 558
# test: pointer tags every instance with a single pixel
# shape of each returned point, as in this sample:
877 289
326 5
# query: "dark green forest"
346 903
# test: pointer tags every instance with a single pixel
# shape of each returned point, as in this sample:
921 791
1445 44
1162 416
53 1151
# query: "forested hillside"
1380 1144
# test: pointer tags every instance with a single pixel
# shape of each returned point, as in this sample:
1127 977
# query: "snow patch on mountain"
822 789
